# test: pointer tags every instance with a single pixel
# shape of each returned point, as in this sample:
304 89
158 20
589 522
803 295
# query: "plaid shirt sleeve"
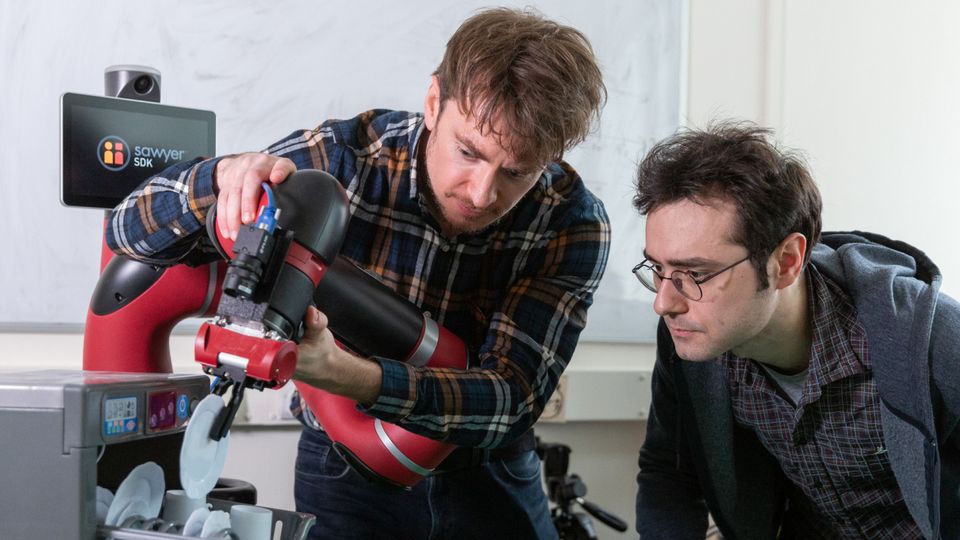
528 344
161 221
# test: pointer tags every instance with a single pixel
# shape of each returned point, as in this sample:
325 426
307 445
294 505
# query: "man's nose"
482 189
669 301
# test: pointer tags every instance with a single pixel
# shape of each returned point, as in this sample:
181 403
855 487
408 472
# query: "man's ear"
431 104
787 260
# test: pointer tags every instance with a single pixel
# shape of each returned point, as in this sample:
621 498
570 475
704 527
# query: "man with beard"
466 210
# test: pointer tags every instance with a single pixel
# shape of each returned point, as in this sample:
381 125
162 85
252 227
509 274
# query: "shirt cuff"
398 391
204 185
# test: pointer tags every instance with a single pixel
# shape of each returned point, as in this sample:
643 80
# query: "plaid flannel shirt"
516 293
830 445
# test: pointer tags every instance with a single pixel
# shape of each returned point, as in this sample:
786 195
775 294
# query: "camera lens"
143 84
243 276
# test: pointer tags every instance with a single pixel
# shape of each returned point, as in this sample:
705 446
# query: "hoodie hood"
894 287
869 252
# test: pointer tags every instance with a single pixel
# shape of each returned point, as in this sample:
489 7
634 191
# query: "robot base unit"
64 432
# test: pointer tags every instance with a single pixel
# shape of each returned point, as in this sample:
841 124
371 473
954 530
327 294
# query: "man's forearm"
345 374
361 380
162 212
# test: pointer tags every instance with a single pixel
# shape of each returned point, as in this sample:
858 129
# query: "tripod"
565 490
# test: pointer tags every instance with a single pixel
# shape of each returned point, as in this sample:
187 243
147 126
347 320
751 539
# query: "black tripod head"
566 489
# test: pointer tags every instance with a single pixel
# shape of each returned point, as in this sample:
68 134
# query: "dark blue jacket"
696 458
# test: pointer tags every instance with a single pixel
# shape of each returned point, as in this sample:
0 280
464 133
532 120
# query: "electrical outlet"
555 409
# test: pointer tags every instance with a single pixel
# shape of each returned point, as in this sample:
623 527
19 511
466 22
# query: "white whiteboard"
266 69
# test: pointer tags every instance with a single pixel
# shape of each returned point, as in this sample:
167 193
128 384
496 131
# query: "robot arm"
274 273
276 267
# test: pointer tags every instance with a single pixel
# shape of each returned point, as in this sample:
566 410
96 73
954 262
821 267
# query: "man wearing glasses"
805 386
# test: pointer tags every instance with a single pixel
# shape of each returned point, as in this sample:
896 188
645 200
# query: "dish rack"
286 526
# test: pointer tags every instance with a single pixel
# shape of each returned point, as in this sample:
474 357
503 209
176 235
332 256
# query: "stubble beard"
432 201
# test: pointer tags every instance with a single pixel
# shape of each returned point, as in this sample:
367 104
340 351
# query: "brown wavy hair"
538 78
738 162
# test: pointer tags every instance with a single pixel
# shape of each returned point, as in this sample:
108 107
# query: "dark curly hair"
737 162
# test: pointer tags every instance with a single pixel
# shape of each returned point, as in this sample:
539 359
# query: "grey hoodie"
694 457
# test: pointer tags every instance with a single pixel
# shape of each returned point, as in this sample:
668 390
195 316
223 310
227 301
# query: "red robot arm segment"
378 450
134 308
267 360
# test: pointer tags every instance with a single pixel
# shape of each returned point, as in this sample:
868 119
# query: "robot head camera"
132 82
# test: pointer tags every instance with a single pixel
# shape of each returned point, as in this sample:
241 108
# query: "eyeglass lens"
683 282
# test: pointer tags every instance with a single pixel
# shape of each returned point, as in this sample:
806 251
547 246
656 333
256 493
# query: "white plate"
217 521
136 508
141 491
202 458
194 524
104 498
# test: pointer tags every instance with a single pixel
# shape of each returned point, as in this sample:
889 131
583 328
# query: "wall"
876 109
329 61
866 90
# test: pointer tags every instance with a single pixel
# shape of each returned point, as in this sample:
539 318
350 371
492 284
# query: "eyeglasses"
687 282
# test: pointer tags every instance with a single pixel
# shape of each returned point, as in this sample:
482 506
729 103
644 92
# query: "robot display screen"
110 146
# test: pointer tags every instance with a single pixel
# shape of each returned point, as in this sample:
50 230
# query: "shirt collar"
832 356
838 345
416 138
